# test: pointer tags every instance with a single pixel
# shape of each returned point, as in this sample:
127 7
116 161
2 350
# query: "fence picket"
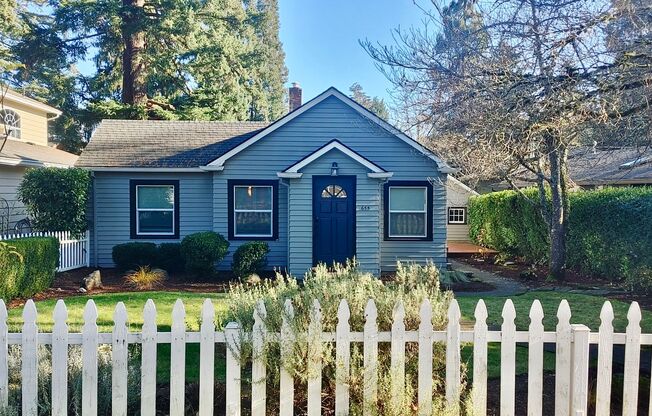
286 392
398 358
605 361
508 360
580 369
89 360
119 357
563 360
480 360
29 374
535 361
342 359
178 360
232 334
370 356
632 360
258 370
314 360
424 395
207 359
59 383
453 377
4 355
148 365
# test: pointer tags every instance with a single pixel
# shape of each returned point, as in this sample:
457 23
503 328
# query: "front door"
334 219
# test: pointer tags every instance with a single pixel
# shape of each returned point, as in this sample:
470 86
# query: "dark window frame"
231 183
429 209
448 217
133 184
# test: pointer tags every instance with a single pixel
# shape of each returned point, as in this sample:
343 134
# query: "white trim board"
332 92
30 102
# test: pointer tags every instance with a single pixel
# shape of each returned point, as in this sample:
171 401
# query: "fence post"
232 334
535 361
342 359
580 368
148 364
29 375
370 353
453 376
314 360
286 391
632 360
258 369
480 360
4 354
605 361
425 359
508 360
119 356
397 371
178 360
207 359
60 360
563 360
89 360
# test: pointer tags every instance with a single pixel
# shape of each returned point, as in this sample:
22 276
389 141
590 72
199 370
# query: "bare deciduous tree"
506 86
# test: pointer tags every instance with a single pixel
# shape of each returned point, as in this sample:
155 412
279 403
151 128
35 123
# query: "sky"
320 39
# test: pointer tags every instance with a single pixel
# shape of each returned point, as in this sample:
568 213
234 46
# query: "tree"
535 75
374 104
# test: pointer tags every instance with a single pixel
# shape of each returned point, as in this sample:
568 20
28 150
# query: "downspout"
94 225
287 228
381 222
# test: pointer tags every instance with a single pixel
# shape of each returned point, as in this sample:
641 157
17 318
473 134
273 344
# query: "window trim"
448 217
231 185
133 209
429 206
18 129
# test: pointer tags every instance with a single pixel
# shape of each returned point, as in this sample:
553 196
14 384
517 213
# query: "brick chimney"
295 96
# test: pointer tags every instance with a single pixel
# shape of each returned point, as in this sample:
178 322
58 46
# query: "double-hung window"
253 209
408 210
154 209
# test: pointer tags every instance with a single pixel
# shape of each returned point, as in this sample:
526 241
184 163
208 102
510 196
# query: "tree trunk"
133 67
557 156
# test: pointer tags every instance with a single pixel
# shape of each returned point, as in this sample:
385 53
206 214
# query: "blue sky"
320 39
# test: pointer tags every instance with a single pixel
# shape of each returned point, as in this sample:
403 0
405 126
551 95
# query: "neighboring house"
327 182
26 122
457 202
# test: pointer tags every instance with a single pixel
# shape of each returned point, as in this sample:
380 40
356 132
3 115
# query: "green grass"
493 360
585 309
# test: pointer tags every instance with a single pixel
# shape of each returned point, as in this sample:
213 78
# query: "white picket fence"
73 252
572 359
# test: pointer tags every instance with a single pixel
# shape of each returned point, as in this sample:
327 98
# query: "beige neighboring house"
26 121
457 202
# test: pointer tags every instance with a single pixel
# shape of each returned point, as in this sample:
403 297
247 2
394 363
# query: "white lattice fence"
572 358
73 252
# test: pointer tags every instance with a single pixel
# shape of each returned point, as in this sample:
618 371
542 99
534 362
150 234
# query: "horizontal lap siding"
10 178
457 196
112 214
332 119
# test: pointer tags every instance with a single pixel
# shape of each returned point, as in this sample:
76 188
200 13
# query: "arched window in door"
10 121
333 191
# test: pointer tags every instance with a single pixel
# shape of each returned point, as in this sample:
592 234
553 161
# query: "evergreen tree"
374 104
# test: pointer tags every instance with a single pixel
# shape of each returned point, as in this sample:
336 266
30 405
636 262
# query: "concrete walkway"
503 286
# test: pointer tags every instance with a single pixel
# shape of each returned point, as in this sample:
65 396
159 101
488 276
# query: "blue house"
327 182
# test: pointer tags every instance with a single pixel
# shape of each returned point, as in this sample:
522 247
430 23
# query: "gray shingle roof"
619 166
24 153
163 144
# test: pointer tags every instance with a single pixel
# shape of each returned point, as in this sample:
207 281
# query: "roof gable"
218 164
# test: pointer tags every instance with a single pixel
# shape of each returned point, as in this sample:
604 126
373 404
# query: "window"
457 215
154 209
253 210
333 191
408 210
11 123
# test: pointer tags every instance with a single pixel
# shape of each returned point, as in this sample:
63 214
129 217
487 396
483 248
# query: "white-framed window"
253 211
407 211
457 215
10 121
155 210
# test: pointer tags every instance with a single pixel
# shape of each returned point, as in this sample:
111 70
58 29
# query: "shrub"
169 257
145 278
250 258
129 256
56 199
202 250
412 285
29 265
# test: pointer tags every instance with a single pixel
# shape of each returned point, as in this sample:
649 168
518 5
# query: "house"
23 144
327 182
457 202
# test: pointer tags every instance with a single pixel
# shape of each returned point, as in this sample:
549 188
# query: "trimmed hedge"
609 230
27 266
129 256
169 257
250 258
202 250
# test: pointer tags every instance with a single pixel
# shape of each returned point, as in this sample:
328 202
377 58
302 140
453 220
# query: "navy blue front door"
334 218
